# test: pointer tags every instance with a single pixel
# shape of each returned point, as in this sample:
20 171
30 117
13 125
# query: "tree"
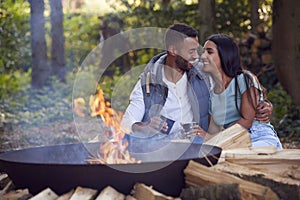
207 19
286 43
254 17
40 68
57 36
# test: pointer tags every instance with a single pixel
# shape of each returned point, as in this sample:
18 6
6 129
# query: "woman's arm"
248 107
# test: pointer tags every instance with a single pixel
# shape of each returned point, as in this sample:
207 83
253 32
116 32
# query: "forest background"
44 43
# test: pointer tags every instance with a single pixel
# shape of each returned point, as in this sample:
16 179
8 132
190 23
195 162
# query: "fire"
115 150
100 107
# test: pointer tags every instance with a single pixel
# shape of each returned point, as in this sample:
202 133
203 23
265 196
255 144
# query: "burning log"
114 150
112 153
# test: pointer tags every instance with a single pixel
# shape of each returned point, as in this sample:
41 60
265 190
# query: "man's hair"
176 33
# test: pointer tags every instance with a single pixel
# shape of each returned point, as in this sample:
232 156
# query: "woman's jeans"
263 134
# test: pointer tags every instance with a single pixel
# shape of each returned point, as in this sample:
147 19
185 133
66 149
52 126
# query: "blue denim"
198 140
263 134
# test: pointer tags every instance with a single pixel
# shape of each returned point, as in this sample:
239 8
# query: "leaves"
285 116
14 35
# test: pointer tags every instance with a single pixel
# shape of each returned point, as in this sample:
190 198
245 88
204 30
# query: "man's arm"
264 111
135 110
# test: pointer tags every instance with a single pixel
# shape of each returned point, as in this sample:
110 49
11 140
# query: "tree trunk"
40 69
207 19
254 18
286 43
57 36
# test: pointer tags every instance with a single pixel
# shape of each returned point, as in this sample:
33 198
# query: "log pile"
255 50
242 172
140 191
248 173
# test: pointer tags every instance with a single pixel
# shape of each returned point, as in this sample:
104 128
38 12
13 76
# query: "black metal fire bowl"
64 167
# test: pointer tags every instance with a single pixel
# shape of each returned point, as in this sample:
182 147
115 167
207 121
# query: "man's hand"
158 124
153 126
264 112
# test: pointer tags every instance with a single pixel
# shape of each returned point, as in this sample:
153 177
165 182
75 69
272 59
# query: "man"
171 90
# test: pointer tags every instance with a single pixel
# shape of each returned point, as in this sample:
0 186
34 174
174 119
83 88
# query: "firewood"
66 196
267 150
4 180
266 57
129 197
285 188
8 187
218 191
199 175
235 136
110 193
83 193
142 191
284 163
46 194
16 194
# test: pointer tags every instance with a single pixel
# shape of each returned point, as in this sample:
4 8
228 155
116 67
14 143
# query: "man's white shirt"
177 106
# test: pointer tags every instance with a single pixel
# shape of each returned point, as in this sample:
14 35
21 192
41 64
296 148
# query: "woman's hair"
231 64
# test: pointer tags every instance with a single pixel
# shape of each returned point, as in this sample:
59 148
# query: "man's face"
187 53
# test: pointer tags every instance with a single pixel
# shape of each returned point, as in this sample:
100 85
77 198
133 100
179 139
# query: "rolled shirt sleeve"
135 110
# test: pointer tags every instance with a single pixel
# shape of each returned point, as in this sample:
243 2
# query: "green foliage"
155 13
13 82
30 107
81 36
232 16
285 114
117 89
14 35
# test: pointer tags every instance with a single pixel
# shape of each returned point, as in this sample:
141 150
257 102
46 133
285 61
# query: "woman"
236 94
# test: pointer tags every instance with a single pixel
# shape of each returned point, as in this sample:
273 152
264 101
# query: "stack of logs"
255 50
241 173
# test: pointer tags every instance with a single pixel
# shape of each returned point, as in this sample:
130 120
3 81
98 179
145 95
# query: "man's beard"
182 63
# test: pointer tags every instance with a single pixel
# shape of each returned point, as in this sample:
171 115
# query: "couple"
175 88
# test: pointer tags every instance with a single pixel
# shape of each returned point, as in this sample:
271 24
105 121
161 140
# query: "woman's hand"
197 131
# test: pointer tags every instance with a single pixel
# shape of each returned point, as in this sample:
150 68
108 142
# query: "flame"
100 107
114 151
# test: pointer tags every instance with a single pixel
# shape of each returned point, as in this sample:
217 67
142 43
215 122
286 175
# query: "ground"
64 133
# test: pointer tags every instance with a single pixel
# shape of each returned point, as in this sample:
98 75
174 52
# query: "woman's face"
210 58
